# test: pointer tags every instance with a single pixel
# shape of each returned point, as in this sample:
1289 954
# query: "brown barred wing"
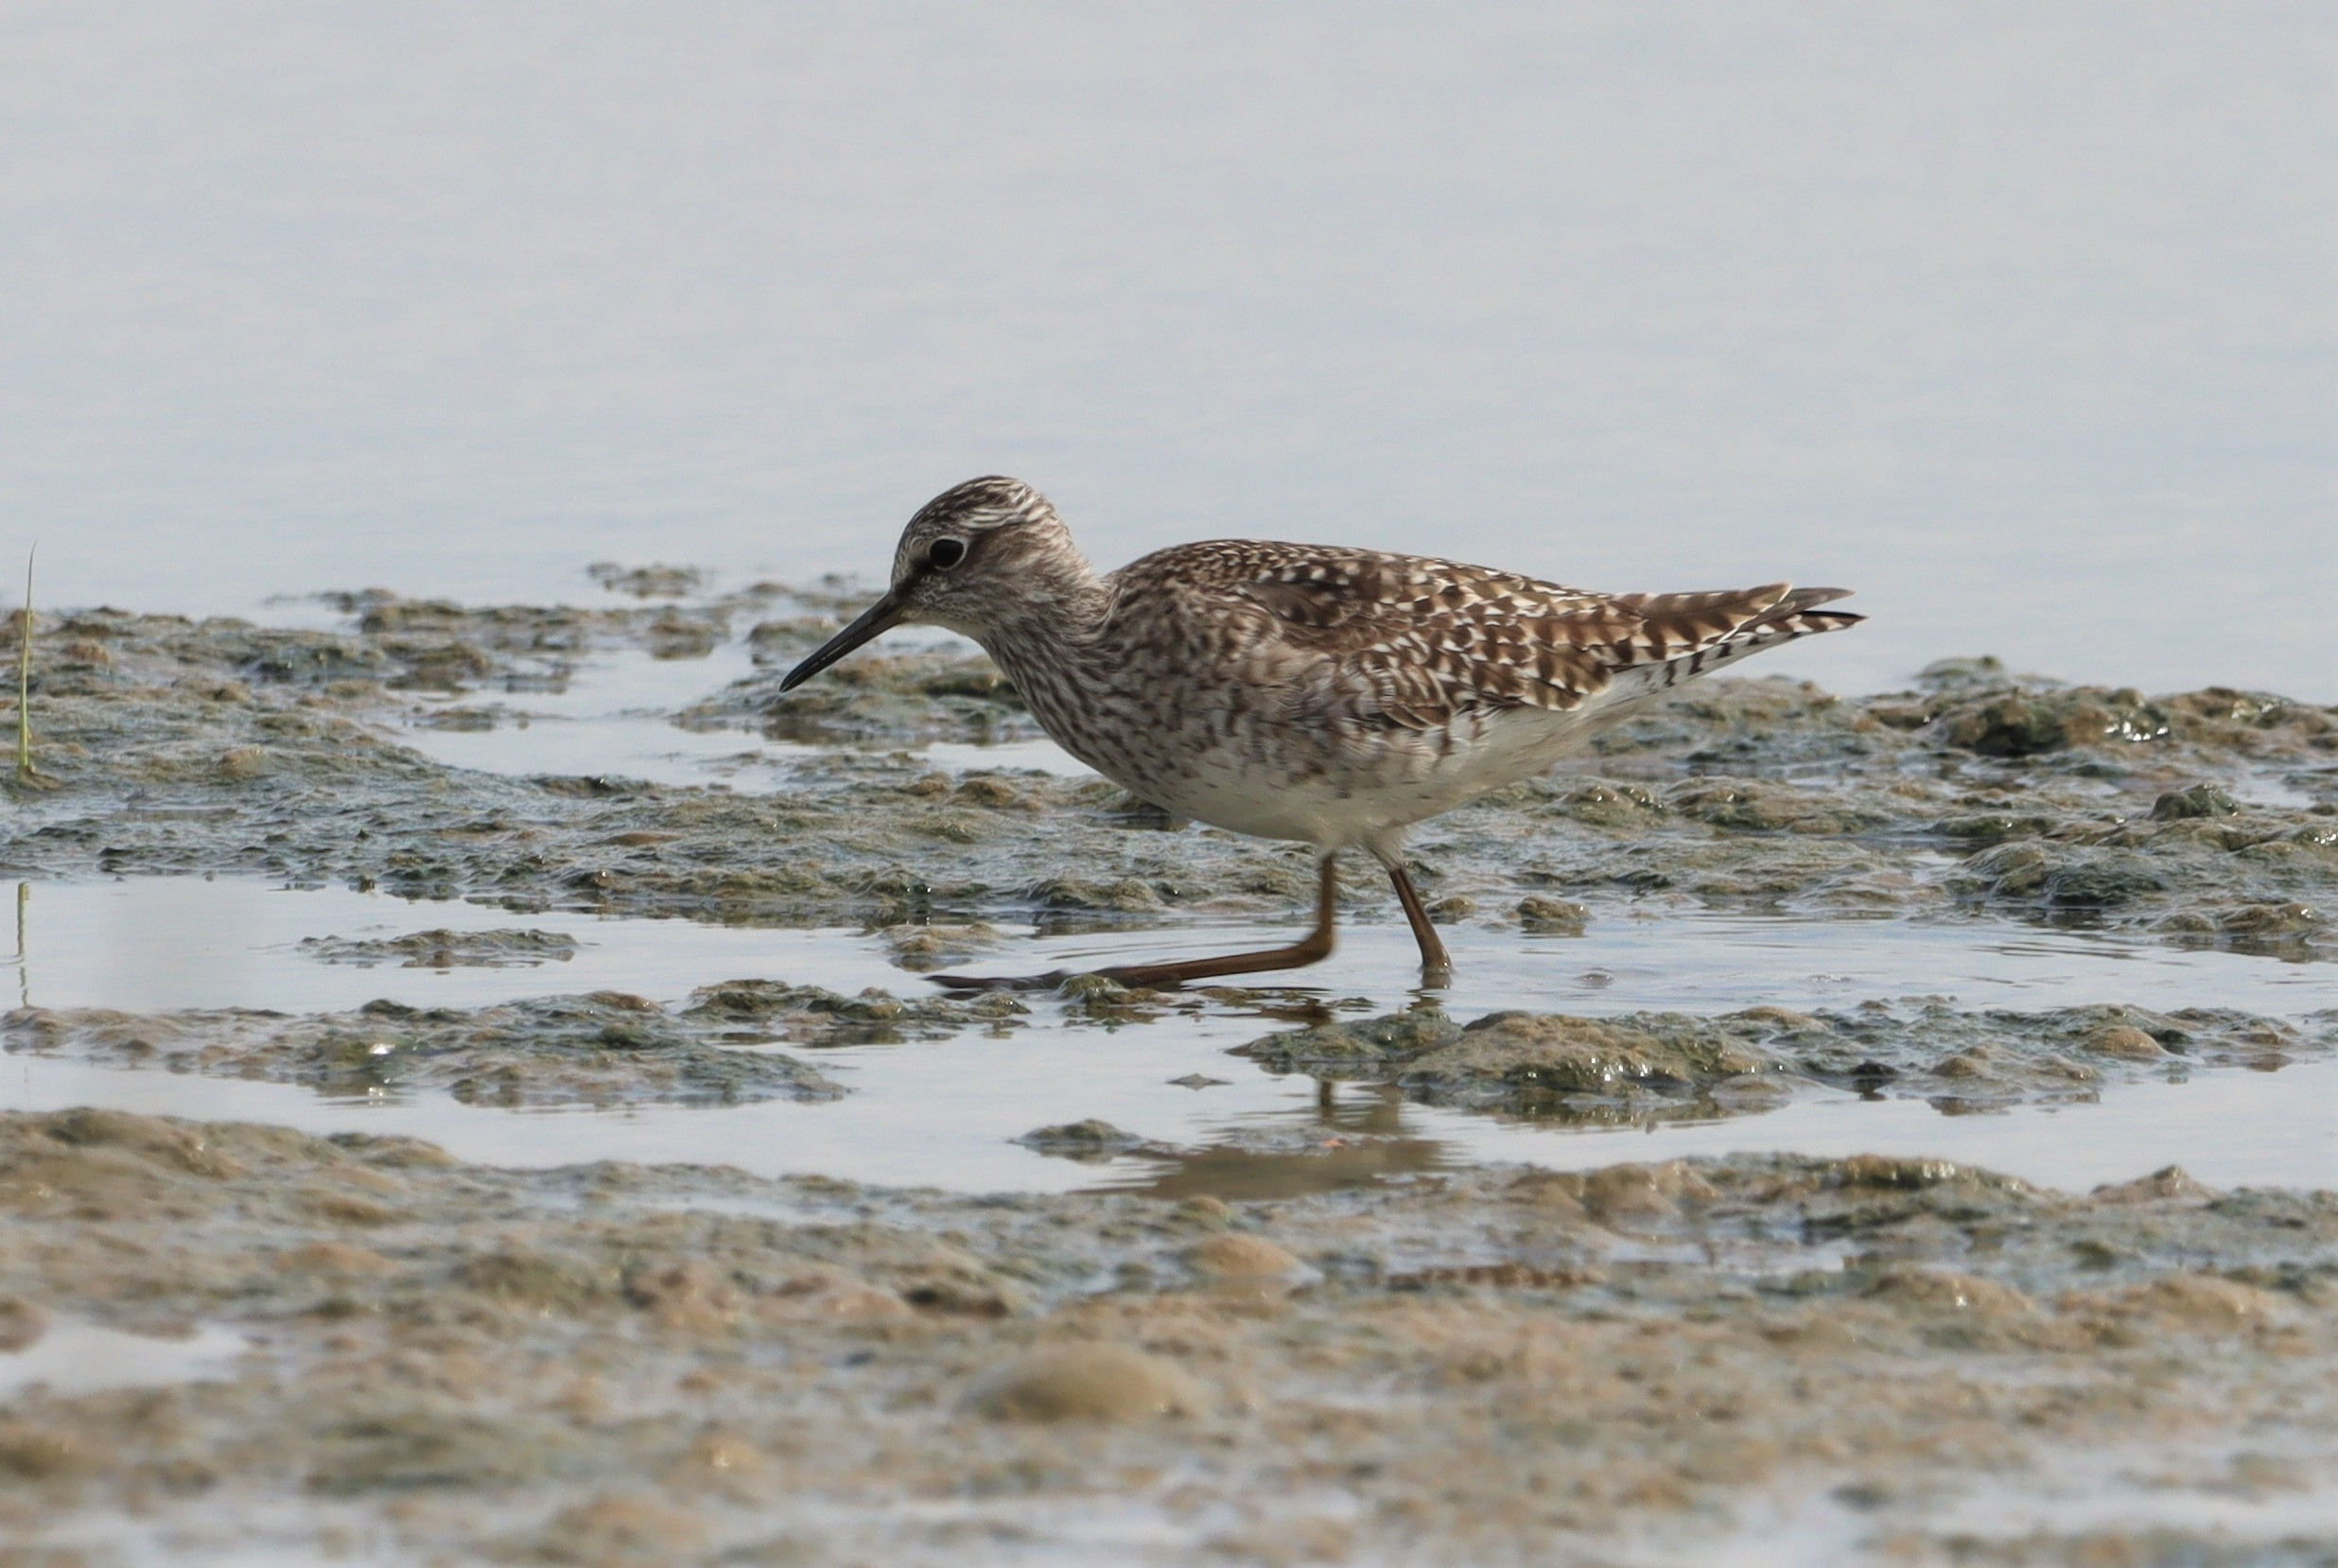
1413 642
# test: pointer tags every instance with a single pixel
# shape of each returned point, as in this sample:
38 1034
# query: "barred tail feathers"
1712 630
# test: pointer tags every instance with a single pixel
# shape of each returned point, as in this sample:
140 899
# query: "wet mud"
616 1364
601 1049
1633 1068
2206 819
441 948
1288 1347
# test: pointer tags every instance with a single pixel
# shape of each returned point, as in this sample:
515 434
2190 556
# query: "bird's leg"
1436 964
1312 949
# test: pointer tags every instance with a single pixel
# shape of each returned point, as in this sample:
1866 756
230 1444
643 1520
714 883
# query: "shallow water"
943 1112
2016 319
151 944
609 720
912 1122
83 1358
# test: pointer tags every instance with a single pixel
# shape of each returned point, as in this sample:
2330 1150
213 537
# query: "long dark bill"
871 621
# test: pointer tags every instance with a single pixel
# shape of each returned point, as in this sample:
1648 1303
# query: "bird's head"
975 557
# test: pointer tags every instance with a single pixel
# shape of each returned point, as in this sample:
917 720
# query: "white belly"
1370 789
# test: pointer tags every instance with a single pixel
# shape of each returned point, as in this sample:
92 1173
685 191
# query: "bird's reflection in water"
1348 1138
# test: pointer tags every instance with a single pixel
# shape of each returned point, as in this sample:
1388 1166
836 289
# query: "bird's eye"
945 553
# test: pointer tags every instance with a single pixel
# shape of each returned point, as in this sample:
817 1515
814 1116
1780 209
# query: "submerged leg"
1312 949
1436 964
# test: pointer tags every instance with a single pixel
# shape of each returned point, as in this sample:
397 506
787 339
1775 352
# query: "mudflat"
1282 1344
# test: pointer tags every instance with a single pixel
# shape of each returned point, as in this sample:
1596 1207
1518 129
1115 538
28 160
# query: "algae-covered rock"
441 949
1364 1048
1090 1140
1515 1057
2021 723
1765 807
2201 800
1677 1063
1525 1058
603 1048
813 1015
930 946
1560 917
1975 707
600 1049
1529 1061
2249 876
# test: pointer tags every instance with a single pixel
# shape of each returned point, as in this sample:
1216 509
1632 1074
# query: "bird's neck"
1050 641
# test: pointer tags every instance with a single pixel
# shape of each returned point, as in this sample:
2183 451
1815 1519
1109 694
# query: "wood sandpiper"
1328 695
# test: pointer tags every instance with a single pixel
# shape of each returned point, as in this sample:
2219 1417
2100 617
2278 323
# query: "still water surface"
2017 319
944 1112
